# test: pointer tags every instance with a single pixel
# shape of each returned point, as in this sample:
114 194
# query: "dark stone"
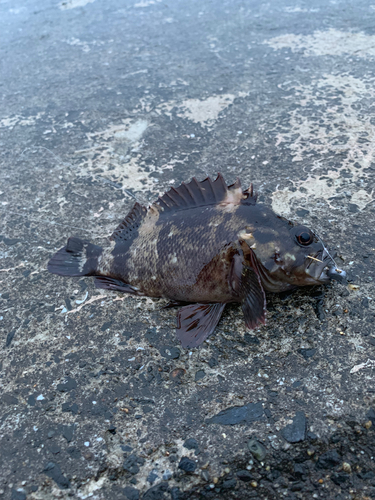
319 310
67 386
371 341
212 362
307 353
312 436
176 493
371 415
244 475
126 448
251 339
365 303
187 465
169 352
152 477
156 492
67 407
353 207
54 449
74 452
68 431
302 212
199 375
131 493
10 337
9 399
298 471
132 463
13 241
53 471
192 444
295 432
18 495
339 478
31 400
328 460
297 486
151 336
238 415
229 483
106 325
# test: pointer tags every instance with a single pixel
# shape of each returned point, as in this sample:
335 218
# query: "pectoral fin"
253 298
196 322
246 283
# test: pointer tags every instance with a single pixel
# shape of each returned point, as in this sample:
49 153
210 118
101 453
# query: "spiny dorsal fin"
206 192
193 194
125 231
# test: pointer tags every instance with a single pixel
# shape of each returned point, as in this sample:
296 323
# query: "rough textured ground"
105 100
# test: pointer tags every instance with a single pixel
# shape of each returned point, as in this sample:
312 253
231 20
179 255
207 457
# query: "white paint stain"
146 3
93 299
297 9
370 363
112 155
12 121
93 485
206 111
84 45
331 42
203 111
72 4
319 129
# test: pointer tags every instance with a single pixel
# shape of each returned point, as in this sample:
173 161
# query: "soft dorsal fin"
125 231
206 192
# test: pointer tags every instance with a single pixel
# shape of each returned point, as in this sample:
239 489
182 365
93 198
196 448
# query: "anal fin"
196 322
112 284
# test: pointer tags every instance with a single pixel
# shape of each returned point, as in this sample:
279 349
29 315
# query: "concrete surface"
103 101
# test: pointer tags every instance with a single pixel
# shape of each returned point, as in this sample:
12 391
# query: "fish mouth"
326 268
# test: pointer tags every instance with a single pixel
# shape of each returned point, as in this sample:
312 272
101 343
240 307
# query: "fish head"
289 255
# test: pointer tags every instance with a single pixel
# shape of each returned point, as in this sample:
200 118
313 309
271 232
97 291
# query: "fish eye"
304 237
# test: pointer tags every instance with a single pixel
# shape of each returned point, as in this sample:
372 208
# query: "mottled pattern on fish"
203 244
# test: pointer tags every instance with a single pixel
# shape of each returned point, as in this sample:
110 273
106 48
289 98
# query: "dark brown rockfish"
203 245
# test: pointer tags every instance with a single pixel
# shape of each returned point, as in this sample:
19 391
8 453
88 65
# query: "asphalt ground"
106 102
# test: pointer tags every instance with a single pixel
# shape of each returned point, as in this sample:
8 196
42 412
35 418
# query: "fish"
203 245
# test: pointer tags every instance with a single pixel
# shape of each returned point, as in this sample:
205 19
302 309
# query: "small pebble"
254 484
346 467
257 449
368 424
205 475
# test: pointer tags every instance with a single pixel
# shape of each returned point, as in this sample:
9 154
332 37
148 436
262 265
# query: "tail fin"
78 258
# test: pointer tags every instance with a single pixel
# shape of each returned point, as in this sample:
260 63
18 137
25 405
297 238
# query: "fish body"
203 245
